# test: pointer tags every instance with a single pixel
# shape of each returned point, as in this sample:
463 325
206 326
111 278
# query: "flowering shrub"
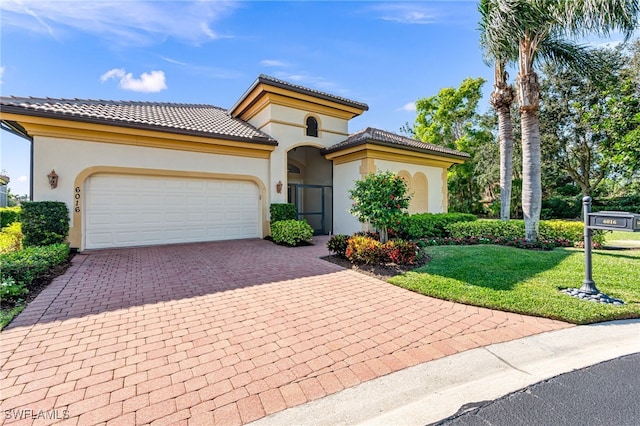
400 252
363 249
337 245
10 290
381 199
291 232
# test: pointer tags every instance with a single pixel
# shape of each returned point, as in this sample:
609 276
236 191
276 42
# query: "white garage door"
124 210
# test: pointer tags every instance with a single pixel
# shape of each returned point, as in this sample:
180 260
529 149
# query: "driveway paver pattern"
220 333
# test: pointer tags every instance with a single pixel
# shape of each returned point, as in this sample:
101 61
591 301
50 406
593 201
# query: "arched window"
312 127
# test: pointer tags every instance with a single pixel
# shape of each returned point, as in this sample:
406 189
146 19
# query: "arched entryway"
309 187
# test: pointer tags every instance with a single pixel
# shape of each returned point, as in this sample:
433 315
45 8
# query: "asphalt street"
607 393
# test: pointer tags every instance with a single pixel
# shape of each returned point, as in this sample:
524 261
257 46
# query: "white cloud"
22 179
113 73
406 13
151 82
410 106
135 22
273 63
1 73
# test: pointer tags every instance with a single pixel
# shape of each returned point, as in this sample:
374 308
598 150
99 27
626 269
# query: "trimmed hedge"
291 232
282 211
9 215
514 229
30 263
44 223
430 225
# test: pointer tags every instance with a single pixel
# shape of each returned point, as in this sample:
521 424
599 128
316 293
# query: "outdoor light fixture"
279 187
53 179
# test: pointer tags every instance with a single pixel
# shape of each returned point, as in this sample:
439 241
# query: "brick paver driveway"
220 333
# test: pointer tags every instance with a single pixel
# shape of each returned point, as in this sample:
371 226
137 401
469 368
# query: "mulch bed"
382 271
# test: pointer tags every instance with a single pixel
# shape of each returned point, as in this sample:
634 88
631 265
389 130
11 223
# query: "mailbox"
615 221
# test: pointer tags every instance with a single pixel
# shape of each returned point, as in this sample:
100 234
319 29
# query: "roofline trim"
11 109
281 84
372 141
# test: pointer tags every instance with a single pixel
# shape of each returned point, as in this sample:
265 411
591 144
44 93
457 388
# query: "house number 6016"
77 200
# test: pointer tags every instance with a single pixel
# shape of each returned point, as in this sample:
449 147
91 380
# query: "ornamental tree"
380 199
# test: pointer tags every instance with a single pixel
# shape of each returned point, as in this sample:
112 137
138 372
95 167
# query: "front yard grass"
528 282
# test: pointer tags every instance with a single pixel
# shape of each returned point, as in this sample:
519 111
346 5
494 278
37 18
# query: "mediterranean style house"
145 173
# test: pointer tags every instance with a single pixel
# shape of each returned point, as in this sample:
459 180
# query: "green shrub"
291 232
9 215
44 223
282 211
10 290
427 225
561 208
630 203
361 249
11 238
25 265
514 230
337 245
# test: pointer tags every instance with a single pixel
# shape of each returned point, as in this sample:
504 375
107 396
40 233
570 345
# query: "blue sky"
387 54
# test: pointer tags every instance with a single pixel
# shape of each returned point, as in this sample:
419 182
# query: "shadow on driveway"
107 280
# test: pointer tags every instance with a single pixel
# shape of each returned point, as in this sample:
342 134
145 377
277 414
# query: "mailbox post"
608 221
588 286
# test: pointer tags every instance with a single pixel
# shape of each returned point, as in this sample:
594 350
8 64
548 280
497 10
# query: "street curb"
435 390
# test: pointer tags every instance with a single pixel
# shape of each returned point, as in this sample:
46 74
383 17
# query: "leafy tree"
380 199
541 30
586 122
450 119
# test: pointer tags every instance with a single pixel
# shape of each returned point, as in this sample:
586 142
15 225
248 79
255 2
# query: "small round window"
312 127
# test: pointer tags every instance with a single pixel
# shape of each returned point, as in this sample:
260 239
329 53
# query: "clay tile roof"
191 119
382 137
266 79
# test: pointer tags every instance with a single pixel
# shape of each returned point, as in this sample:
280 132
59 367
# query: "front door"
312 203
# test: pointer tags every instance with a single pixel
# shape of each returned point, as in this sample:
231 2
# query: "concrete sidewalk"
435 390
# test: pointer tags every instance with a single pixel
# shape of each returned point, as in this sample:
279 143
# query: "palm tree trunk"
531 180
505 133
501 99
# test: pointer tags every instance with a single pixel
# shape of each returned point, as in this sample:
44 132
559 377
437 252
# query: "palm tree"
501 100
542 31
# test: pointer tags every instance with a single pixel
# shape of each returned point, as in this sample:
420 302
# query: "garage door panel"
145 210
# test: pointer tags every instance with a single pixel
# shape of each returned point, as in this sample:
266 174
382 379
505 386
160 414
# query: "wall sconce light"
53 179
279 187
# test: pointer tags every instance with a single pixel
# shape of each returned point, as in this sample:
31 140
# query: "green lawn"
622 236
528 282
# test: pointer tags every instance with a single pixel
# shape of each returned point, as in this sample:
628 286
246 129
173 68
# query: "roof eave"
393 145
309 92
142 126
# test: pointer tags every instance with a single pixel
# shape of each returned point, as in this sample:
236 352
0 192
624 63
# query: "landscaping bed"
382 271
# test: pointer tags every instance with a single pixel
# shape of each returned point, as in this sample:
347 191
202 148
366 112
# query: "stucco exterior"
76 160
265 138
